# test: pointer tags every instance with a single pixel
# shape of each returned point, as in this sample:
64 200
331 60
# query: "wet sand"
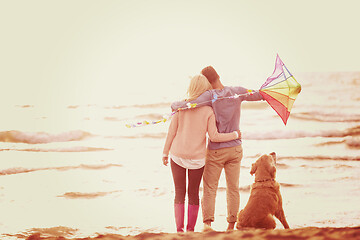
310 233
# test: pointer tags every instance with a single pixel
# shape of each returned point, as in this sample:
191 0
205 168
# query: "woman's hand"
239 133
165 160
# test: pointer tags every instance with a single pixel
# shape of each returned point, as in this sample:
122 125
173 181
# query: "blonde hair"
198 85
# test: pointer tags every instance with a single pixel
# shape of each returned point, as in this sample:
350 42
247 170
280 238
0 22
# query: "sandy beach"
89 177
75 74
309 233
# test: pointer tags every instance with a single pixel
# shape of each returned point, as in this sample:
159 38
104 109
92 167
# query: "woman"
186 147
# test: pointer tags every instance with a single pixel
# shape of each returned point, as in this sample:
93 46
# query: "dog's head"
264 167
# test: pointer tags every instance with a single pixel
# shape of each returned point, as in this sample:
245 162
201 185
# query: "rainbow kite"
280 90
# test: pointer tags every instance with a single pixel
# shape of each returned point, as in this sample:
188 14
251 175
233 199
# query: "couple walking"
185 148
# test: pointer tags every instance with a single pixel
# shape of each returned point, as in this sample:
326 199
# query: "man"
224 155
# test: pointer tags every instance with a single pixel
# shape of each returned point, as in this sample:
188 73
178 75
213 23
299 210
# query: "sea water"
76 170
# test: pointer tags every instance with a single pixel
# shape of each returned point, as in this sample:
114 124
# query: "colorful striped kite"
280 90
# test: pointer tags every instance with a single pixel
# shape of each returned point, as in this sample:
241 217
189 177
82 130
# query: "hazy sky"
88 51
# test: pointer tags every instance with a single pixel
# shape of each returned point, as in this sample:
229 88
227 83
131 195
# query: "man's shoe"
207 228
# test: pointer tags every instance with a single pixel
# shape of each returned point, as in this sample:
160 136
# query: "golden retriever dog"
265 200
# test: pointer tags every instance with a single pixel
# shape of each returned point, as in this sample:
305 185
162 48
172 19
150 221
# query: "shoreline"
310 233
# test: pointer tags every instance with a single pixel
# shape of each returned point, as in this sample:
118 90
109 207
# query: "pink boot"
192 217
179 216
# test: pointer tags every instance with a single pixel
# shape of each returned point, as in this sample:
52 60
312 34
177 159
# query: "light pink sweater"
186 137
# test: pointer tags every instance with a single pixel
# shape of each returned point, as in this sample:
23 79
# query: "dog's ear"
253 168
273 154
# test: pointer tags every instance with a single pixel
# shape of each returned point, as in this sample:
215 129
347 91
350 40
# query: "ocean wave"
150 105
312 78
320 157
331 143
147 135
18 170
114 119
351 142
290 185
151 116
68 149
310 157
326 117
73 106
42 137
278 134
25 106
153 105
247 188
77 195
155 192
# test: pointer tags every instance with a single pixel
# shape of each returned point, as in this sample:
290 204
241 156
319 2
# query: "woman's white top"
188 163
